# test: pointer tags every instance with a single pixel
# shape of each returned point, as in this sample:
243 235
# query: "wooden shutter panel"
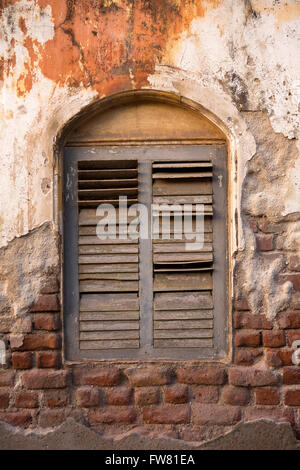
152 299
108 269
183 282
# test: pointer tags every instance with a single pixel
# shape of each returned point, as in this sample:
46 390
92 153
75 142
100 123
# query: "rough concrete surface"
256 435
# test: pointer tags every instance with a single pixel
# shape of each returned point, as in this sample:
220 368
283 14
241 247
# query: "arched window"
132 296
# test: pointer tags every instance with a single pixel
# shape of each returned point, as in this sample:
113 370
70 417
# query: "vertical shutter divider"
146 266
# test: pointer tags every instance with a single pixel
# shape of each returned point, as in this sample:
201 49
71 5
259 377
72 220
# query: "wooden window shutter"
108 269
183 283
146 298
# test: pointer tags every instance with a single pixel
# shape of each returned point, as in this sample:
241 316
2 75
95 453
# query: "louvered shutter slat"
182 281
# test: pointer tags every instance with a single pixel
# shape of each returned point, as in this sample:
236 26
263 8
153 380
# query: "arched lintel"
119 100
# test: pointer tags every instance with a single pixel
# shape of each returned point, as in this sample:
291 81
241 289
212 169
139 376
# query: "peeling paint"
244 52
235 48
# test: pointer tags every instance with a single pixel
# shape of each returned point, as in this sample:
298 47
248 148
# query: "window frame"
218 155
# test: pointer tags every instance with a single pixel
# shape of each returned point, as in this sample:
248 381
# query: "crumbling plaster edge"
245 435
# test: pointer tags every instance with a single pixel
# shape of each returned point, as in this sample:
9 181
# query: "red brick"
100 376
35 341
291 375
273 339
292 397
48 359
111 414
249 377
176 393
279 358
241 304
167 414
26 400
50 418
247 338
56 398
39 379
202 375
87 397
268 227
22 360
247 357
215 415
146 396
253 225
46 321
17 418
51 286
294 263
288 320
6 324
206 394
292 335
264 242
286 356
267 396
46 303
4 399
293 278
148 376
275 414
235 396
295 301
119 396
273 359
251 321
7 378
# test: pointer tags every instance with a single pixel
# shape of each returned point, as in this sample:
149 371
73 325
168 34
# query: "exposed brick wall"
37 389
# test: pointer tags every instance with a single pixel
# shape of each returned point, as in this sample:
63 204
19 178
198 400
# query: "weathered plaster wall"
59 56
238 59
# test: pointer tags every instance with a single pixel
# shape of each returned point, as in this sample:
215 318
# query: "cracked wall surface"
238 62
242 54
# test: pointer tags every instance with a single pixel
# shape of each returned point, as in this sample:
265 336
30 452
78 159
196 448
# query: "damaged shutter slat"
183 343
181 188
182 281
